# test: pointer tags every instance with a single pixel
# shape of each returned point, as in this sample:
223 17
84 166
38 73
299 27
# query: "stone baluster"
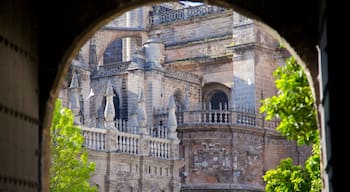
131 145
158 149
159 132
86 139
90 139
124 144
163 150
109 112
154 149
166 151
93 140
98 140
127 144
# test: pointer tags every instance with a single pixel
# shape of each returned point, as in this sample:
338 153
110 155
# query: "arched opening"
179 100
114 52
215 95
116 103
219 101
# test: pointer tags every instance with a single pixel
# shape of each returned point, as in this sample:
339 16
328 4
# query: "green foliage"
312 166
70 169
294 106
287 178
294 178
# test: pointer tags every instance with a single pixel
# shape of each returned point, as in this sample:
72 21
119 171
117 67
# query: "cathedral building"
168 99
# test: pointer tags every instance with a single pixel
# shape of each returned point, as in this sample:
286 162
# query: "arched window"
219 100
178 98
114 52
179 102
215 96
116 105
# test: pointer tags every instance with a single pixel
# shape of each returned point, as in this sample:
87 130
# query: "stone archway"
50 40
311 57
221 94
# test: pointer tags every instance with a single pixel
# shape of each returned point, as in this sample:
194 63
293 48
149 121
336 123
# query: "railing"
218 117
95 138
159 148
183 14
227 117
134 144
125 143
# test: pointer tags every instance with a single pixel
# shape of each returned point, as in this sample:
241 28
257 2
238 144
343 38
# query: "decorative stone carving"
110 70
169 72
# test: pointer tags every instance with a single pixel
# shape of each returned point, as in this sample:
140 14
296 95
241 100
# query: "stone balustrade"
159 132
125 142
183 14
95 138
227 117
113 140
159 148
221 117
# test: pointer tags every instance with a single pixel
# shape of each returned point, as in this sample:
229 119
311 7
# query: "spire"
92 52
172 123
141 114
74 99
109 89
109 112
74 83
133 123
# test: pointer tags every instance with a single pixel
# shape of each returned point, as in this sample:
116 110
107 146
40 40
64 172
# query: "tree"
70 169
294 107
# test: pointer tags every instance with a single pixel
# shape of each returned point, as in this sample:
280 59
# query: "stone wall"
179 32
124 172
229 158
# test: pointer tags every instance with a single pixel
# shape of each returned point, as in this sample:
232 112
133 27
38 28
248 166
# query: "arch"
117 105
179 99
114 52
213 91
100 103
110 35
121 40
82 31
219 100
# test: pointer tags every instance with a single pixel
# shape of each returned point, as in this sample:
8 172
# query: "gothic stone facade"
131 71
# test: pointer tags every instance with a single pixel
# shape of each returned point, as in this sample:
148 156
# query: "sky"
190 3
